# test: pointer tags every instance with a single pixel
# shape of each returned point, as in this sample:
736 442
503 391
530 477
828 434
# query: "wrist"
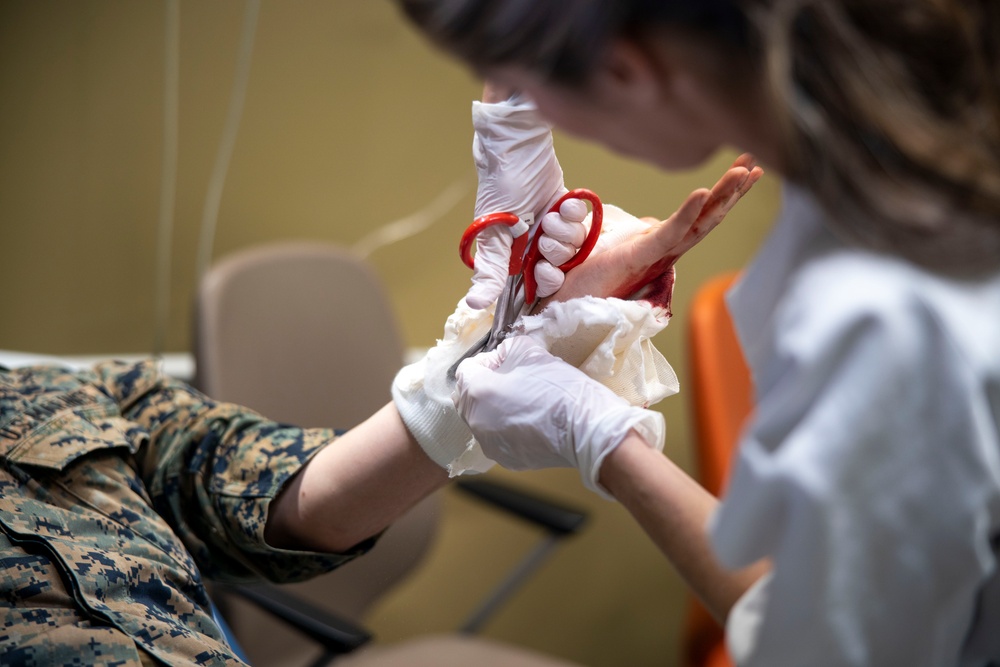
623 464
630 426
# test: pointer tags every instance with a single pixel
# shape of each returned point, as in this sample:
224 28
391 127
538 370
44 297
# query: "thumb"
472 373
486 288
517 351
548 279
490 266
476 368
482 365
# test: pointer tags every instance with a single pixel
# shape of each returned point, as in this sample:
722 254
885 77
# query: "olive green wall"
351 121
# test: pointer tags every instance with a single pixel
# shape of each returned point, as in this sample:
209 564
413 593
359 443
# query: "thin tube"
213 198
168 177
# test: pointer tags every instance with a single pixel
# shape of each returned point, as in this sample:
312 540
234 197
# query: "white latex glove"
422 392
531 410
563 232
518 173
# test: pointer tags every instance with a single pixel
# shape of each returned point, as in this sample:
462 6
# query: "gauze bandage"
422 394
608 339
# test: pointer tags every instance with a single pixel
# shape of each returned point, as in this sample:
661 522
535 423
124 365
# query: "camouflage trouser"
118 490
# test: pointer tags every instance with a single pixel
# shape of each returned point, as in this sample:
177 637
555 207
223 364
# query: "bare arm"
354 488
667 503
674 510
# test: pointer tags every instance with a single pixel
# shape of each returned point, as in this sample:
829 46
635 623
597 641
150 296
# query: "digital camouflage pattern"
120 489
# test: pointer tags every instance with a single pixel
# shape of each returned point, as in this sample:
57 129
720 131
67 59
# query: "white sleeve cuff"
743 623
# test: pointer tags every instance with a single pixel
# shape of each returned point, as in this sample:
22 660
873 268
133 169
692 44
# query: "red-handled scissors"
524 255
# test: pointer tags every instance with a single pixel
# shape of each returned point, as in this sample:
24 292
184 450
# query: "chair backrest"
304 333
722 399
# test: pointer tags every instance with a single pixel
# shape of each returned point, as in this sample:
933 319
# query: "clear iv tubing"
168 177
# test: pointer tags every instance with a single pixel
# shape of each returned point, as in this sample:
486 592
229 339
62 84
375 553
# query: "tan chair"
304 333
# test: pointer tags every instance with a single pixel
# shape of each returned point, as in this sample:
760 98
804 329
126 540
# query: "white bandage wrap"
422 394
608 339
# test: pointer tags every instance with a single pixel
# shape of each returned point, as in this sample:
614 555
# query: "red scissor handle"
488 220
521 260
533 254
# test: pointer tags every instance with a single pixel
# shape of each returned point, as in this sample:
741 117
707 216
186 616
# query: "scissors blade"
509 308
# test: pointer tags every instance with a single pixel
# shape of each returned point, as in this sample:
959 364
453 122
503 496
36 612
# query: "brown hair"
891 108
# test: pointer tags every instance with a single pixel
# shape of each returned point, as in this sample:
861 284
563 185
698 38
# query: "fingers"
665 240
707 211
475 372
567 224
485 290
624 261
485 361
515 349
472 373
563 232
735 183
548 279
748 162
755 175
573 210
555 251
725 194
566 230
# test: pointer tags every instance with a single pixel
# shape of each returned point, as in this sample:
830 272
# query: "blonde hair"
890 108
892 111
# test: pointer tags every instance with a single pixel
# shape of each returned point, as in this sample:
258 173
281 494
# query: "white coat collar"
753 300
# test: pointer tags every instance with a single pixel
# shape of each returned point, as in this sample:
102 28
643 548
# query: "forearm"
674 510
354 488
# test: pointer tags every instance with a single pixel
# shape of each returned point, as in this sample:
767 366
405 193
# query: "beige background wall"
351 121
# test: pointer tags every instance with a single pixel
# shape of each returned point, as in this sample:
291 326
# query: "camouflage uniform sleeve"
212 470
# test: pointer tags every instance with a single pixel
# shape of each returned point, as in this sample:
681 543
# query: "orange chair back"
722 399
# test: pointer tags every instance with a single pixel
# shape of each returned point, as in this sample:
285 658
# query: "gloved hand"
422 395
563 232
518 173
531 410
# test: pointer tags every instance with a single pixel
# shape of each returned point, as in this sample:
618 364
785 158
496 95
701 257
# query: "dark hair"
562 39
890 108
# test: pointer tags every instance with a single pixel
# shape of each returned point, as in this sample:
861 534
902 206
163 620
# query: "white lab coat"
870 472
